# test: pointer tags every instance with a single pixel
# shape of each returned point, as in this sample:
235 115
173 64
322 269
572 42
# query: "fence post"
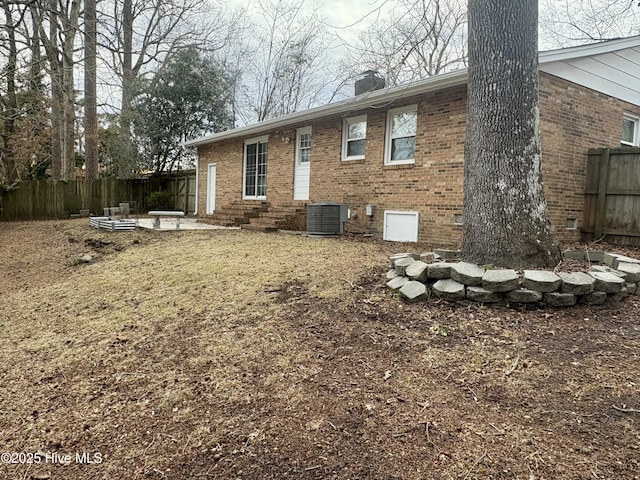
601 205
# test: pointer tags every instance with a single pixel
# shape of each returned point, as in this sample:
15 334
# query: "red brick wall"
573 119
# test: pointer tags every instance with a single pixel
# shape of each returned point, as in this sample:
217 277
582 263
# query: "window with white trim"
400 145
255 169
630 131
303 145
354 138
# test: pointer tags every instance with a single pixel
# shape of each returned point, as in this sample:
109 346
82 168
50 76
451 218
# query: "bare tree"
90 94
59 43
568 22
289 68
139 35
24 112
9 103
417 39
506 222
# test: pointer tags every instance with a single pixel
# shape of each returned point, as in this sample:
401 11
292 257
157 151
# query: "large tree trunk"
91 138
8 171
124 169
57 97
59 46
505 213
70 24
68 121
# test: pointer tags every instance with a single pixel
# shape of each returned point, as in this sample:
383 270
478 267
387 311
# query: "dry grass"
243 355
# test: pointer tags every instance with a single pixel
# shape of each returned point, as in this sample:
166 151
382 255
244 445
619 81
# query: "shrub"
160 200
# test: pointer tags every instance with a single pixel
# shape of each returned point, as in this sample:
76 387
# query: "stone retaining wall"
609 277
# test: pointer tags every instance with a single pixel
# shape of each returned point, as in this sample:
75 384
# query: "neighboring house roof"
611 67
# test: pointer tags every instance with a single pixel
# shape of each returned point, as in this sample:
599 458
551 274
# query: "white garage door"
400 226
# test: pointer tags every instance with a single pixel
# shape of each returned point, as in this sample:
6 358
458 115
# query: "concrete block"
447 254
574 255
467 273
402 264
606 269
577 283
594 298
482 295
391 274
607 282
439 270
397 283
622 259
426 257
630 271
523 295
398 256
595 256
609 258
541 281
618 296
557 299
417 271
501 280
449 289
414 291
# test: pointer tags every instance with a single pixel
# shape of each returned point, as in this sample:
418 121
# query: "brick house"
395 155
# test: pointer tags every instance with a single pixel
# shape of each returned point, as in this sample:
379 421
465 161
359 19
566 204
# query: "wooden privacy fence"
47 199
184 192
612 195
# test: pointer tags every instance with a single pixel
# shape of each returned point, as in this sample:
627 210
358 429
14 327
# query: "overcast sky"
347 18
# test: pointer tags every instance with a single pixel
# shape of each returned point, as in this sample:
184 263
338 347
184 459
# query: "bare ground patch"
239 355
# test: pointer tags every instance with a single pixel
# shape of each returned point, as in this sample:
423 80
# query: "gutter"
366 100
379 98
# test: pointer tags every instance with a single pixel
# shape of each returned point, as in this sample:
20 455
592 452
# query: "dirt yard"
235 355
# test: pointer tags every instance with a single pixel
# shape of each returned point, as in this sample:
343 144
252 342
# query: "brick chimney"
369 82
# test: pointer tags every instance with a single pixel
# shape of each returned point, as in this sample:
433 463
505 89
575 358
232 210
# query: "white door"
211 188
303 164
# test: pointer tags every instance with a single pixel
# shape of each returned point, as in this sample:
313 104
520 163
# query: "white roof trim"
387 95
366 100
589 50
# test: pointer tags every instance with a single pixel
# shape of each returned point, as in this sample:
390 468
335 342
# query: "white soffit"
616 73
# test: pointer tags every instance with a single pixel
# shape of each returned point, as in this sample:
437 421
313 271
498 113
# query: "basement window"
630 131
400 226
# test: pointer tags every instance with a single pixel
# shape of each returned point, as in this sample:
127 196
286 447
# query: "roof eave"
589 49
391 94
371 99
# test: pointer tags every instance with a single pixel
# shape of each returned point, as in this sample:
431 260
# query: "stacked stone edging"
417 277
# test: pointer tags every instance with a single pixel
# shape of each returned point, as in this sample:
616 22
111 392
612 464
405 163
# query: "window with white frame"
303 142
400 146
630 131
354 138
255 168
